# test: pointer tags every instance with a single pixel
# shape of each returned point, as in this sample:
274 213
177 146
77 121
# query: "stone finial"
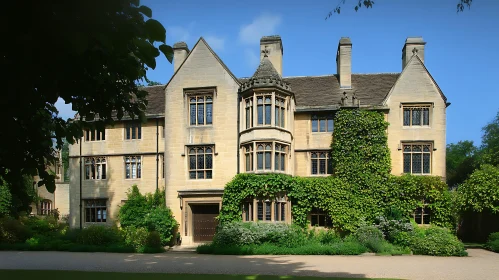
265 52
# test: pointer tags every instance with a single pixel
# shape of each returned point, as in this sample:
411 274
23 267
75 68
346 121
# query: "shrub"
98 235
328 237
41 225
135 237
13 231
493 242
160 219
393 229
371 237
5 199
436 241
153 240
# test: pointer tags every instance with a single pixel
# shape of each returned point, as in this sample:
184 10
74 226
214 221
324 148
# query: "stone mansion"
207 125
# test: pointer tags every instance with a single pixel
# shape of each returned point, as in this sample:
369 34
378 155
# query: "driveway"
480 264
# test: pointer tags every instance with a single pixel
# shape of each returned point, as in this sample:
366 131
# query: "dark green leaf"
155 30
167 51
146 11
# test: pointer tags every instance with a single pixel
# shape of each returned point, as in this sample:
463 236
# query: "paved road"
480 265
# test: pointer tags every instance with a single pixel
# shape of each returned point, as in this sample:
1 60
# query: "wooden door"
204 221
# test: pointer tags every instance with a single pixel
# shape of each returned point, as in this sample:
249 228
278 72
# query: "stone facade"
217 126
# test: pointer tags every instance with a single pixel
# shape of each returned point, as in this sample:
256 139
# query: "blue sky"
461 51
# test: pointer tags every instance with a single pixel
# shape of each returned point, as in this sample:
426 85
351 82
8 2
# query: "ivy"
361 188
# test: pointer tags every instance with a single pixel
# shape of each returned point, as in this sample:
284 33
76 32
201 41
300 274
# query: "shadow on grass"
79 275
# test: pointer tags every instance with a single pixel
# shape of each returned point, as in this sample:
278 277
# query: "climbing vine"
361 187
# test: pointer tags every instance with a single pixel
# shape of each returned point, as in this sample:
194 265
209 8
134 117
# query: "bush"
160 219
328 237
98 235
393 229
371 237
493 242
153 240
135 237
41 225
13 231
5 199
240 233
436 241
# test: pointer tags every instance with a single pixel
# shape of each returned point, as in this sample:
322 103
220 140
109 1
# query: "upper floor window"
133 167
133 130
265 156
201 109
322 123
249 111
280 111
248 155
417 158
201 162
280 157
321 164
416 115
95 210
264 109
95 135
95 168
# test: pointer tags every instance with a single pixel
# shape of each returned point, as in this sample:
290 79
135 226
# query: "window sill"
201 126
204 180
133 179
264 127
130 140
265 172
416 127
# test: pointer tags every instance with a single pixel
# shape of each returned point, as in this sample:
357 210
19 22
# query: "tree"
461 4
89 53
65 160
481 191
490 142
153 83
460 161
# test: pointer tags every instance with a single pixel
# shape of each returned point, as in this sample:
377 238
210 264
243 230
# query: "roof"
156 100
265 76
324 91
266 70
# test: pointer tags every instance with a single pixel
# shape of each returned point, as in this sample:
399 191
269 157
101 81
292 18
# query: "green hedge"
493 242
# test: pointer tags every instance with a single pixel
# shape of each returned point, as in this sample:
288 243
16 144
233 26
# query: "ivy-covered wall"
361 187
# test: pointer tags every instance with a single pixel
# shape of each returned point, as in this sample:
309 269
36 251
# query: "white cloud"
180 33
264 25
252 59
217 43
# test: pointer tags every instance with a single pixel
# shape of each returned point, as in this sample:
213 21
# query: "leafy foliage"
490 142
5 199
93 56
99 235
461 160
436 241
149 212
135 237
493 242
481 191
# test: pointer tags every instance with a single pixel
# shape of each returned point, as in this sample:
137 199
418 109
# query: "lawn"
77 275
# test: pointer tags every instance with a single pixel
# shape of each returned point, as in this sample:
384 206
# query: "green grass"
79 275
473 245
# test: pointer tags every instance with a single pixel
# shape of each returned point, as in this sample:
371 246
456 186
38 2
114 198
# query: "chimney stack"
344 62
412 46
180 52
271 46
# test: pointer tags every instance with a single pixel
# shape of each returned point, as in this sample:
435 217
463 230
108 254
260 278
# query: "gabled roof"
415 56
201 39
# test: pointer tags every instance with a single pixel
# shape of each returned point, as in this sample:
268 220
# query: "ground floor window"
319 218
45 207
422 214
95 210
133 167
265 210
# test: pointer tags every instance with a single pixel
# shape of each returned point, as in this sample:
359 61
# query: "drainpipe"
238 129
157 153
81 177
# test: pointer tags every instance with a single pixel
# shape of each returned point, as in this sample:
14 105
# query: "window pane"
192 162
407 163
259 161
418 215
103 136
283 211
127 171
407 116
267 160
248 118
200 174
246 212
322 166
315 167
283 160
133 132
426 163
276 211
201 113
201 161
268 114
192 175
260 211
260 114
426 116
193 114
322 220
416 116
248 162
313 220
322 125
330 125
209 161
103 171
127 130
208 174
139 132
92 135
416 163
209 112
315 127
277 115
268 209
276 161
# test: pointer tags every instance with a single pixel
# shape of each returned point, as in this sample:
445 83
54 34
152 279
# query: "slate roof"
156 100
266 70
324 91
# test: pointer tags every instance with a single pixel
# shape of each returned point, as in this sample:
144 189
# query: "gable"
415 83
202 60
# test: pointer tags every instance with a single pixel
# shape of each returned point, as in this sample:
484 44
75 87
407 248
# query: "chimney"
272 47
180 52
344 62
412 46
